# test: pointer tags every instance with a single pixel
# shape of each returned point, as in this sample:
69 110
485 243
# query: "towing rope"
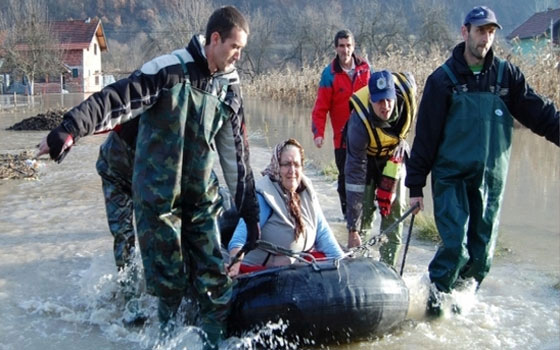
382 236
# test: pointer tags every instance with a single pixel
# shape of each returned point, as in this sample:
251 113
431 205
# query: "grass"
299 84
330 171
426 230
295 85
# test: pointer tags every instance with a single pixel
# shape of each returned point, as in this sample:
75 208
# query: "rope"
276 250
383 234
407 244
301 256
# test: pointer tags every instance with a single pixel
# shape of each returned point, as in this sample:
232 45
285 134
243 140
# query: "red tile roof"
536 25
78 34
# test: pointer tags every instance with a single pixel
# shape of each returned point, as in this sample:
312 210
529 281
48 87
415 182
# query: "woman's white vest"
279 229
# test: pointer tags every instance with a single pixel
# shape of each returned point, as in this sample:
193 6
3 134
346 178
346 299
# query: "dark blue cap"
382 86
481 15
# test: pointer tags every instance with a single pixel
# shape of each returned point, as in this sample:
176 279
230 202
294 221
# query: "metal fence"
15 101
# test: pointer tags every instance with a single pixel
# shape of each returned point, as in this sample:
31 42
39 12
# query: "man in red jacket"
346 74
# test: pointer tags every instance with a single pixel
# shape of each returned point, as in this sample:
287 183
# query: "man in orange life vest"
376 145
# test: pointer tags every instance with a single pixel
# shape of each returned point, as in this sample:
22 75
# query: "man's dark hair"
342 34
223 20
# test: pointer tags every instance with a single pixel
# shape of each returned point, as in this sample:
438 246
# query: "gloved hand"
385 192
59 142
384 195
253 235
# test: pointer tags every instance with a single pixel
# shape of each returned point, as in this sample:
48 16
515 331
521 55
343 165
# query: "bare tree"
310 31
123 58
187 18
434 32
257 53
377 28
29 45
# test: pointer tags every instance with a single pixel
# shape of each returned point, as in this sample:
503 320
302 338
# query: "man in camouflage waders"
190 109
463 137
114 165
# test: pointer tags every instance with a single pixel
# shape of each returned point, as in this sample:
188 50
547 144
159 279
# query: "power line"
129 31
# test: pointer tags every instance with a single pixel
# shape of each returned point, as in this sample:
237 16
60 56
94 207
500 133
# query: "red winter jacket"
335 89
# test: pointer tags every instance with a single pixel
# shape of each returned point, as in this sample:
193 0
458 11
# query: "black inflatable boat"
325 302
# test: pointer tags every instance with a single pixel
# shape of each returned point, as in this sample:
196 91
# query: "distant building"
539 32
82 42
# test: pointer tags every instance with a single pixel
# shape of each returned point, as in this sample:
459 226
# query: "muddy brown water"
58 284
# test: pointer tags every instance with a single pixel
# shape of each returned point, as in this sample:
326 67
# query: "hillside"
123 18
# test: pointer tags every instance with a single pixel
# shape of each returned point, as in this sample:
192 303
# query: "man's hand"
420 201
354 239
319 141
233 268
43 148
57 143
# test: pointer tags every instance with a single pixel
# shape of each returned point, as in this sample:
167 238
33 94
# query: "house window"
95 49
97 80
74 72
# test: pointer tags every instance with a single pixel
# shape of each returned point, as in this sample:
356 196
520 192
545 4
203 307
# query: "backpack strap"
451 76
183 65
501 68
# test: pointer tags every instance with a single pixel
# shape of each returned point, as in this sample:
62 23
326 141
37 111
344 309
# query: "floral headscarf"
293 201
273 168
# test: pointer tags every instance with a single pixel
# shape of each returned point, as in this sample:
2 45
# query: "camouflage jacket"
128 98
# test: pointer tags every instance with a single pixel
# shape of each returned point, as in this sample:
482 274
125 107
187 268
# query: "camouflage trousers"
389 250
176 203
114 165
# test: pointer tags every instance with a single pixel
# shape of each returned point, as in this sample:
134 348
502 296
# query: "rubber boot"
133 314
434 307
167 310
215 333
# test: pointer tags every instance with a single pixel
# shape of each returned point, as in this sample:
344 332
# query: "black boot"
167 310
434 307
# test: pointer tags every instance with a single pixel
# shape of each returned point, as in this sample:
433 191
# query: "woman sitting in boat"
290 214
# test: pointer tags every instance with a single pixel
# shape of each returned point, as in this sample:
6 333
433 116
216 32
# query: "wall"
93 79
531 46
74 60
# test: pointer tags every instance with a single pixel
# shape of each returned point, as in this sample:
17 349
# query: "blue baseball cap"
382 86
481 15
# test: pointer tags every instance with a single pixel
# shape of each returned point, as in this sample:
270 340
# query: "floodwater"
59 289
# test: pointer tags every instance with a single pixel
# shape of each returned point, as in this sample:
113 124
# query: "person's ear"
464 32
215 38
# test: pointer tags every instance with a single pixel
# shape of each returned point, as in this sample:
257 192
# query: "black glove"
253 235
59 141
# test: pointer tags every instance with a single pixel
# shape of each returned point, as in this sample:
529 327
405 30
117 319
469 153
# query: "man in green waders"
463 137
190 109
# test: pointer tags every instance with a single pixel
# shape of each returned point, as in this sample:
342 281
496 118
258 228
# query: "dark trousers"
340 160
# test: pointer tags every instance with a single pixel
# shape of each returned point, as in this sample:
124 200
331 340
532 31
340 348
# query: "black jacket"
117 106
533 111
